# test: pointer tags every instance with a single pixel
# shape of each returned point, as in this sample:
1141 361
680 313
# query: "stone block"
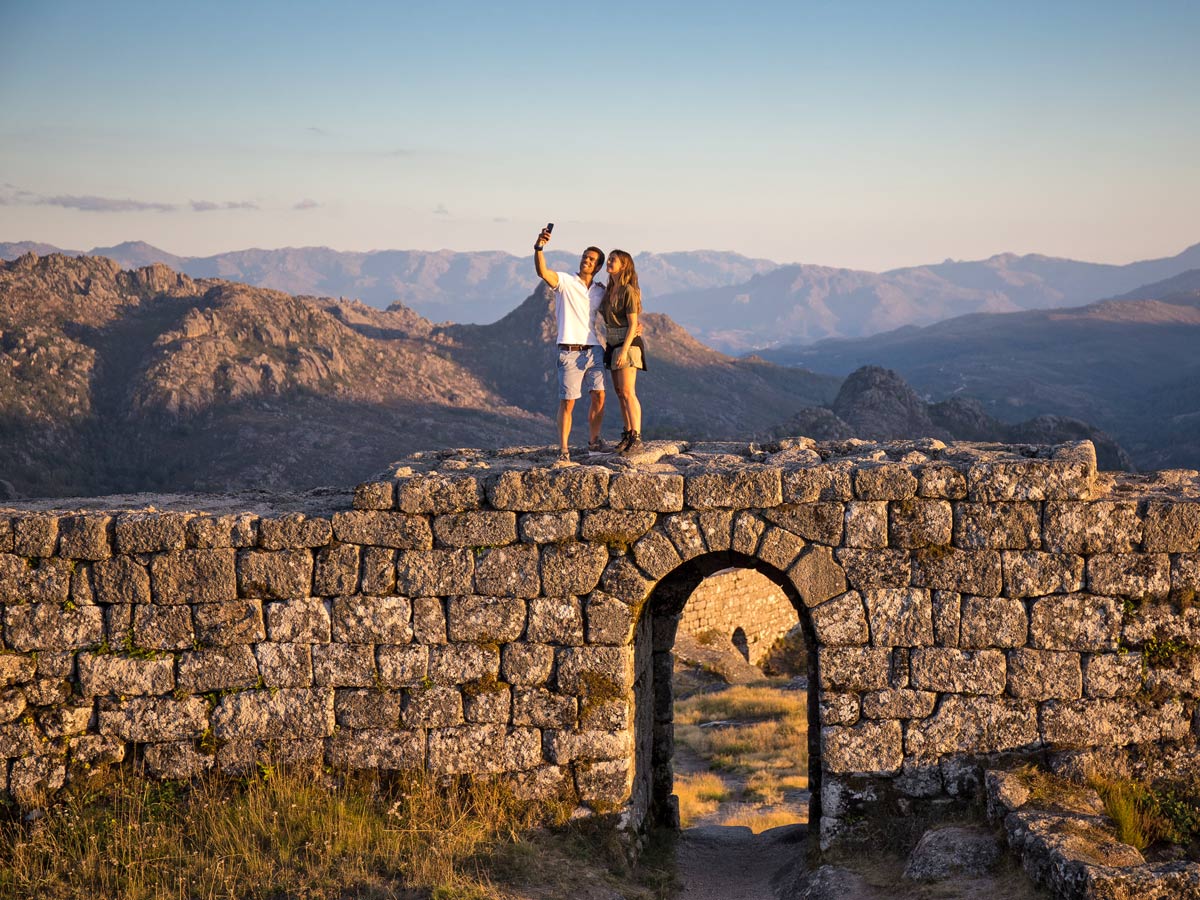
1104 526
285 665
899 617
1185 574
6 540
221 669
224 624
548 490
107 673
902 703
344 665
118 623
402 666
562 747
34 534
150 719
591 671
992 622
429 620
716 526
485 619
840 622
884 481
1172 527
821 482
549 528
686 534
336 571
734 489
304 620
654 554
383 529
997 526
1109 675
460 663
362 708
81 586
205 532
559 620
150 532
487 702
178 760
919 523
616 526
839 709
974 725
816 575
1069 476
267 715
48 626
875 568
67 721
438 493
375 495
21 739
378 570
274 573
646 491
780 548
942 482
508 571
868 748
359 619
526 664
193 576
1031 573
950 569
483 749
92 751
15 669
866 524
1075 622
84 537
163 627
822 522
621 579
293 531
978 672
1044 675
540 708
1112 723
34 780
377 749
425 573
604 785
435 706
947 618
747 532
1140 575
609 621
853 668
475 528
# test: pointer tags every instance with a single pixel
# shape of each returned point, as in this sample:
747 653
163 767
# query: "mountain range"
117 380
730 302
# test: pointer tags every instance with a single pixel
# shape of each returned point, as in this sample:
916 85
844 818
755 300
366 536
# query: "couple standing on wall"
577 299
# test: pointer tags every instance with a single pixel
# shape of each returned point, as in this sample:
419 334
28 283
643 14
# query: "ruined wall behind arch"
743 599
480 611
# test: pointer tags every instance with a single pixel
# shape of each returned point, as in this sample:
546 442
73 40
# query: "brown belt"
574 347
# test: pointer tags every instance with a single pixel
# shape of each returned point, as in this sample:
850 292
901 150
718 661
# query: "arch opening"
655 687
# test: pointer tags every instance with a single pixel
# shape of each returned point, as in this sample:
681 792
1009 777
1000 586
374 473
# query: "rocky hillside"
877 404
114 381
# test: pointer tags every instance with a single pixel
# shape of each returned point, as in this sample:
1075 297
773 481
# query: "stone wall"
484 612
740 600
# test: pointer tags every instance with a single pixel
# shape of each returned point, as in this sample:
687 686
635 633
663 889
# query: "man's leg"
595 415
564 422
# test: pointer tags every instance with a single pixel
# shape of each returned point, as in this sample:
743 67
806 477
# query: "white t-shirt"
575 309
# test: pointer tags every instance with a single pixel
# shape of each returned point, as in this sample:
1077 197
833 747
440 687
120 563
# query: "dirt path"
720 863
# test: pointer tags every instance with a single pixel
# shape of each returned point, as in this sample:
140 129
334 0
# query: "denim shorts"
579 370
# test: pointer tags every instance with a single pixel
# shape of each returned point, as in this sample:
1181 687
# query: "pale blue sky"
869 135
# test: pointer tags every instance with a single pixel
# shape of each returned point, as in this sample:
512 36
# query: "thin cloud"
90 203
210 206
441 210
400 151
306 204
313 129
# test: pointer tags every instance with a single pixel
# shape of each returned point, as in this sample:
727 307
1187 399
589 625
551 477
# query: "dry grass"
760 820
742 702
699 795
300 834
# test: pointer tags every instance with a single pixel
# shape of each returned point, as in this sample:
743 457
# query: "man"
580 357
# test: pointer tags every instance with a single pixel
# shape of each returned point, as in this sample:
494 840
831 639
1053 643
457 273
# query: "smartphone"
549 227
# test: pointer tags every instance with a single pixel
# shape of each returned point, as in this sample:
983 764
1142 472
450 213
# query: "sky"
869 135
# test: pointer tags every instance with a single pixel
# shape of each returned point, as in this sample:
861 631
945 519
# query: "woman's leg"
624 381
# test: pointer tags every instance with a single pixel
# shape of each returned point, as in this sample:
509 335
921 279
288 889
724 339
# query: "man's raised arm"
539 261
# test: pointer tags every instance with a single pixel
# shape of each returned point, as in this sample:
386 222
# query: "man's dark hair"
600 262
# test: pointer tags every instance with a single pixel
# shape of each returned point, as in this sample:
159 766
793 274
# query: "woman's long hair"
626 276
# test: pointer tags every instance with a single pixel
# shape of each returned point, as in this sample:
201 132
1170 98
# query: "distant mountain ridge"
727 301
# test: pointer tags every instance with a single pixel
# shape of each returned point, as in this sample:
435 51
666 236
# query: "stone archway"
654 684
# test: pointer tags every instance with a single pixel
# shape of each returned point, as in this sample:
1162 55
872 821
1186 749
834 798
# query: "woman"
621 309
